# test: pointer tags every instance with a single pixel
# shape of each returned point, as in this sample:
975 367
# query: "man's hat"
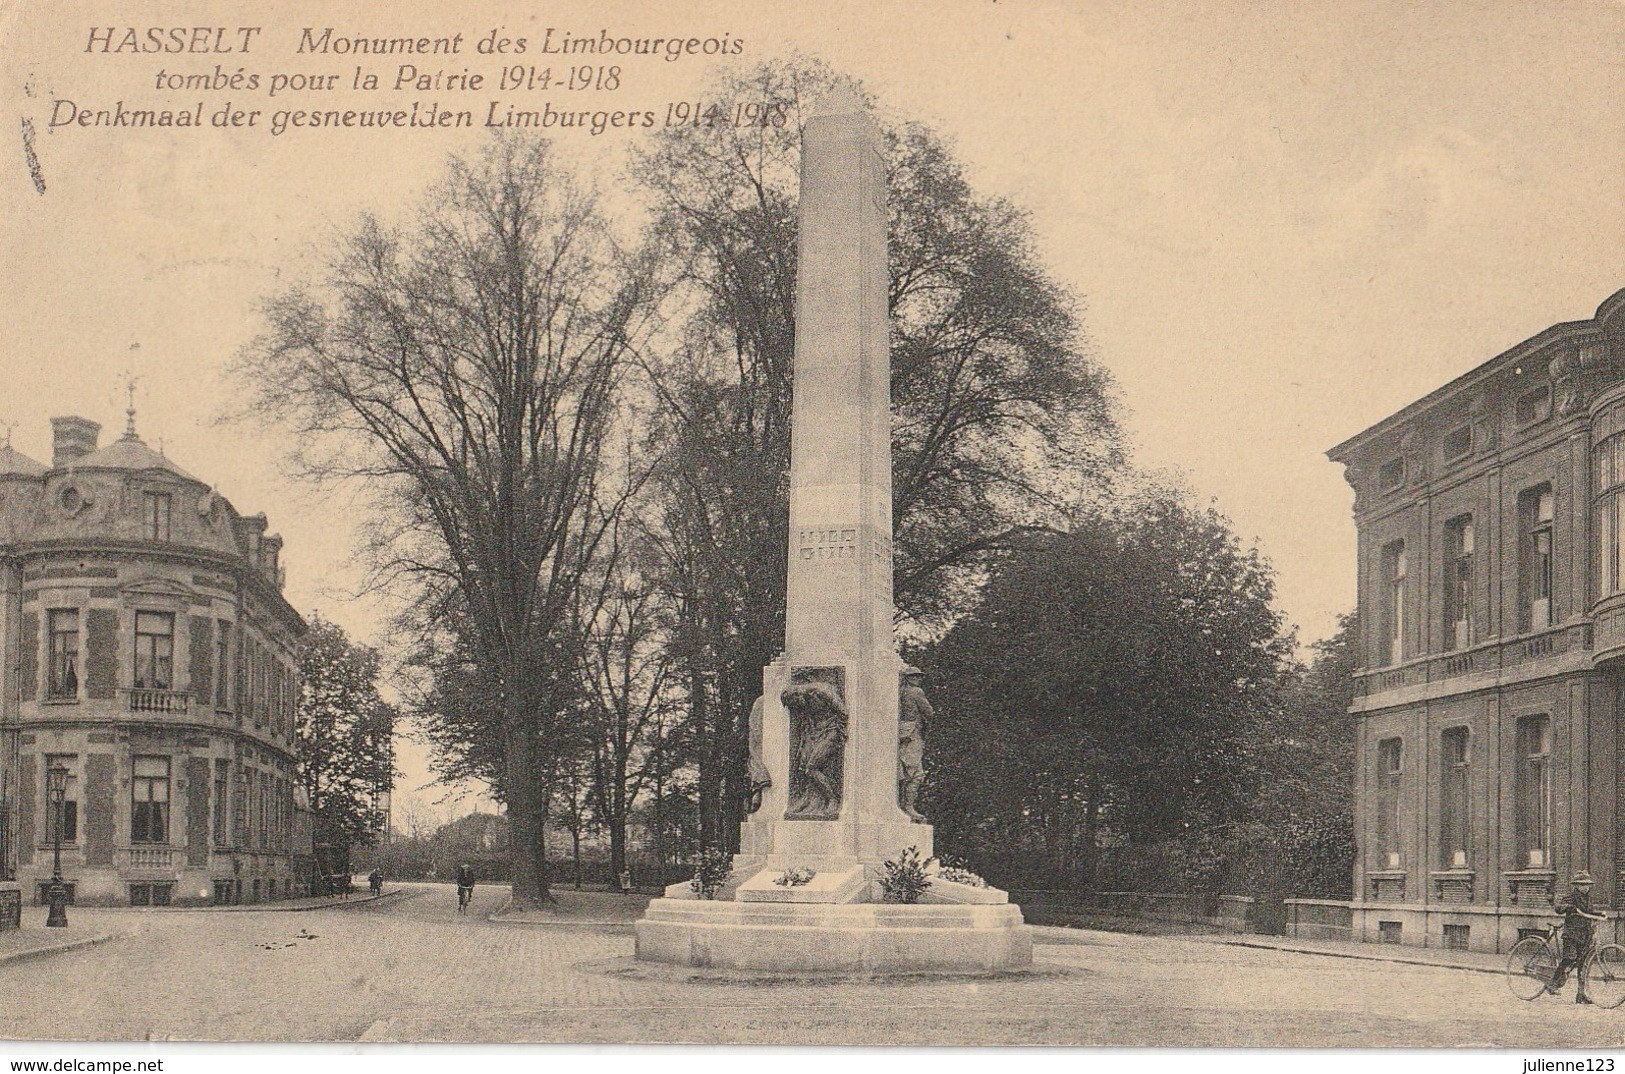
910 669
1581 877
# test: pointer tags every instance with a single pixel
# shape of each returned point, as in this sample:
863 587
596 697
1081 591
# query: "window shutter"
101 781
101 656
201 640
27 832
30 656
197 810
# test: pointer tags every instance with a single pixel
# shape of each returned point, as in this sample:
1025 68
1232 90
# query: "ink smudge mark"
32 157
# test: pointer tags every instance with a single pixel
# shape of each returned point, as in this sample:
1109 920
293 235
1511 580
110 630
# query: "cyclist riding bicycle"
1579 923
465 885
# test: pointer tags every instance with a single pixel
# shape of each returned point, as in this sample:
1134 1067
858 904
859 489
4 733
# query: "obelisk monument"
808 888
837 798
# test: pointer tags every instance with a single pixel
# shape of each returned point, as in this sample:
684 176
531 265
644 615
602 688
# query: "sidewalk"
286 906
33 940
595 908
1475 961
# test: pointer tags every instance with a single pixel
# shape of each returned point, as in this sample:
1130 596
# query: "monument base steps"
856 938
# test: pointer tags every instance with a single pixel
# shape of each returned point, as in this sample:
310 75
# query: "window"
222 784
156 512
1390 931
1455 819
1457 937
1393 604
152 894
1533 822
1608 514
1391 475
1390 757
62 675
222 665
70 800
1458 583
154 650
1458 443
239 810
1533 406
1535 512
149 805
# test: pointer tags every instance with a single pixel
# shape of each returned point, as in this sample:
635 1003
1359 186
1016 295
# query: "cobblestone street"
409 968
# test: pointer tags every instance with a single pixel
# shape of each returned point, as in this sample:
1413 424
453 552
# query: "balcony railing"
158 700
1491 656
149 859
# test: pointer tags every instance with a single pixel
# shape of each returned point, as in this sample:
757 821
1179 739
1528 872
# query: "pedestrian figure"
376 882
626 881
1579 923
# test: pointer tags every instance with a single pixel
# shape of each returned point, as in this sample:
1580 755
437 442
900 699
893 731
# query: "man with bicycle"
465 885
1579 924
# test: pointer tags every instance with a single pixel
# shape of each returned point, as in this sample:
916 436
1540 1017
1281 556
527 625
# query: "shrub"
905 879
712 867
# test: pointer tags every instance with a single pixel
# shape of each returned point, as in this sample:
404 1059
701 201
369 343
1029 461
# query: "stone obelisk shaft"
838 615
840 583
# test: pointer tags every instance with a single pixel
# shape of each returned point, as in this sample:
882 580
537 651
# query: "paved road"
412 969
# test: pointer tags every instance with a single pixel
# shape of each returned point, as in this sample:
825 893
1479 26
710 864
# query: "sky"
1284 221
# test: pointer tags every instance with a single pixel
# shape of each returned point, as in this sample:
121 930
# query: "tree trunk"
708 777
1091 825
575 841
617 848
527 816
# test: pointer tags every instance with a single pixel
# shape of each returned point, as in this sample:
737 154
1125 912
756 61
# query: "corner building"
148 650
1491 682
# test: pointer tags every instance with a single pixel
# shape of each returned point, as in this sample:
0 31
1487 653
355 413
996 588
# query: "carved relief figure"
1570 372
817 707
758 775
913 713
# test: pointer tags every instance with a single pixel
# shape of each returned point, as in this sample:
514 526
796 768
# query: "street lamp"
57 896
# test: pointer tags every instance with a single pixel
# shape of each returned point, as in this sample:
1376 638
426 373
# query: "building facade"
148 650
1491 528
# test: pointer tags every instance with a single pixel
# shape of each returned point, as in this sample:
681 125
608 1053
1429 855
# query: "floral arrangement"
712 867
960 875
794 878
905 879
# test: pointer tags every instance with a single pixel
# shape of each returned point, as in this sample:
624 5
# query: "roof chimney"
71 439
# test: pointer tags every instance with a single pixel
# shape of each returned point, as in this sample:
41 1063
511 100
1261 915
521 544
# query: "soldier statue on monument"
913 712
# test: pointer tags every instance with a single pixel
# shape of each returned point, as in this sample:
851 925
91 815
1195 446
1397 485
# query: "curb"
259 908
1361 956
496 918
45 952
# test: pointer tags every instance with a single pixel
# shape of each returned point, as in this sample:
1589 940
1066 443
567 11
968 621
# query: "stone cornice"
247 575
1565 332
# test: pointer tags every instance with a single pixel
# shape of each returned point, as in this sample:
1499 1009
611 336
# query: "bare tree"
630 672
466 370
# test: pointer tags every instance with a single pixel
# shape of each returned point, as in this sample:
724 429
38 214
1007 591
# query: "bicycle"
464 897
1532 968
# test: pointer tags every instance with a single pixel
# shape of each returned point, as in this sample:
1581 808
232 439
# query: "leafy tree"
1111 684
999 411
343 736
1307 804
466 371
